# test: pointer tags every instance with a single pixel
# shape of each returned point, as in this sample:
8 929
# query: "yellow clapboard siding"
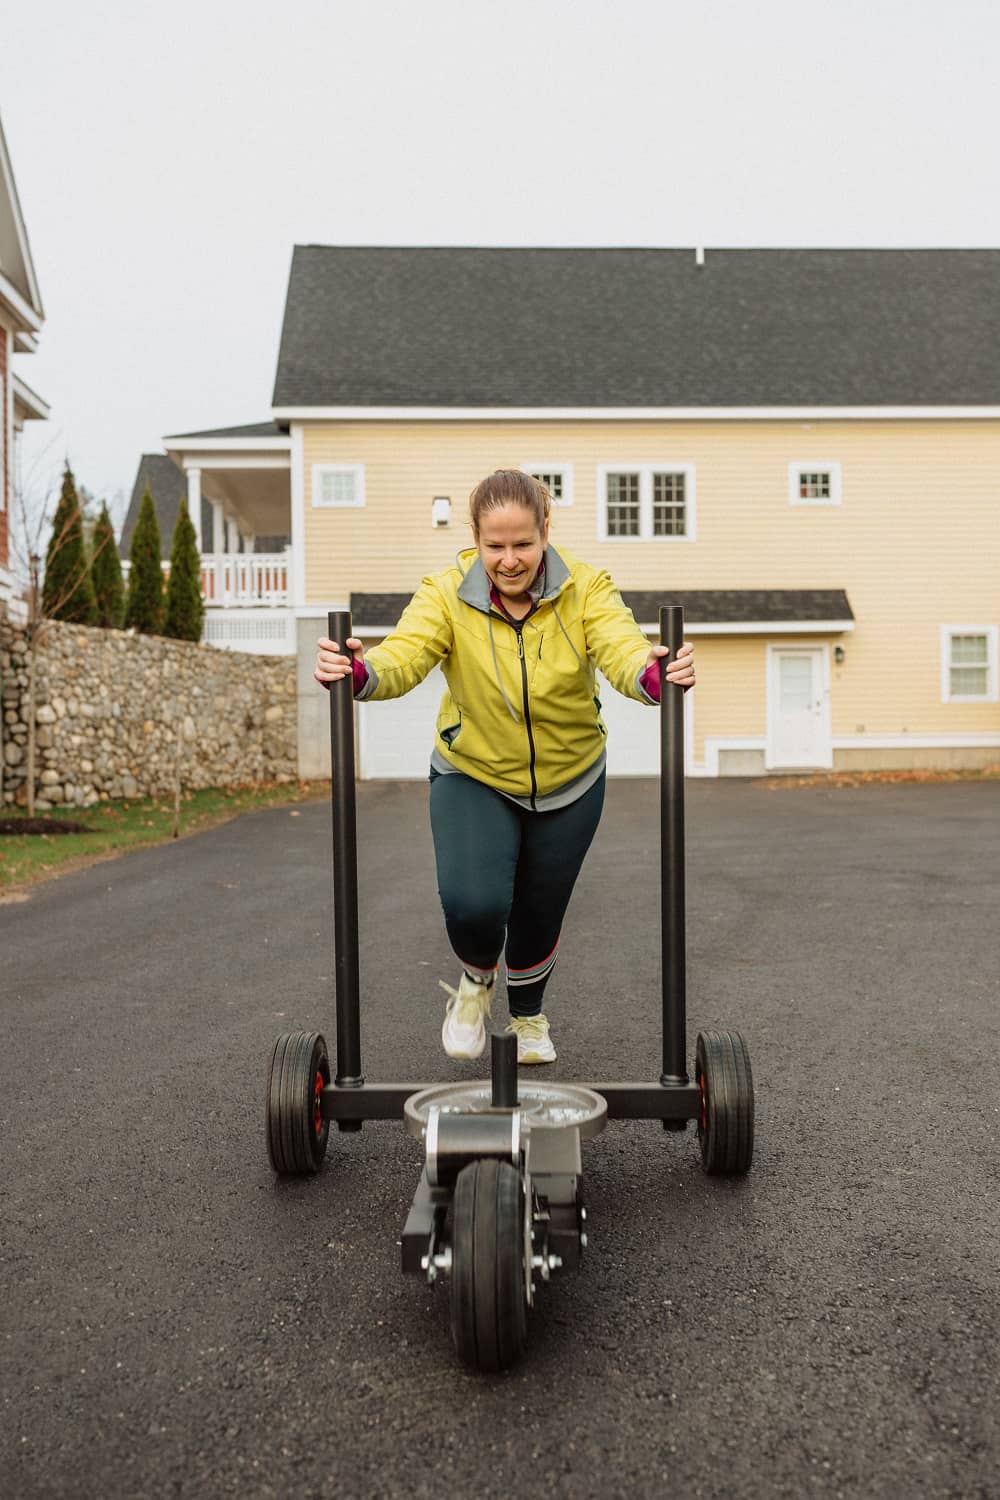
915 540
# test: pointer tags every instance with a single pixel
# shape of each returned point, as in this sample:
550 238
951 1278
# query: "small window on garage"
557 479
969 664
814 483
336 485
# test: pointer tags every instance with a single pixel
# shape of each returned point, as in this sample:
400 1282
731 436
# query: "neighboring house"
244 575
801 446
21 318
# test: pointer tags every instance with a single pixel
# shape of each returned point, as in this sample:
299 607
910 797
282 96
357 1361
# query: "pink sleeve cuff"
650 681
359 676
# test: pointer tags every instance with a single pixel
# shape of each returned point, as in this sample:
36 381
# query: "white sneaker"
534 1045
464 1029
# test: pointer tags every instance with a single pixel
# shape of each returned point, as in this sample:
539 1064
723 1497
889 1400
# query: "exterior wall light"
440 511
838 655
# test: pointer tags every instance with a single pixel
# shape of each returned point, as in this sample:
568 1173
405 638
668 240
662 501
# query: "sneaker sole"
463 1054
532 1058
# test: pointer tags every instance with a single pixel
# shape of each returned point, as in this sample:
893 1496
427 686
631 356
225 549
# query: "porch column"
249 540
218 539
194 503
232 535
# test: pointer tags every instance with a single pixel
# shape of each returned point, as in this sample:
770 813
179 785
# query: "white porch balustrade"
241 580
237 579
246 601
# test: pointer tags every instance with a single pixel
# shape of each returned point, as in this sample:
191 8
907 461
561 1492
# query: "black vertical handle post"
503 1070
672 935
345 864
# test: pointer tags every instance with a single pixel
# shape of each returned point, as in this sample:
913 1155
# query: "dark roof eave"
740 610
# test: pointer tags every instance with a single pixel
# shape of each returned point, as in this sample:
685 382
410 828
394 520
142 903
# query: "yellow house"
800 446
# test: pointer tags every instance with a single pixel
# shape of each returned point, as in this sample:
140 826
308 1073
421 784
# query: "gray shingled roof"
390 326
249 430
701 606
167 485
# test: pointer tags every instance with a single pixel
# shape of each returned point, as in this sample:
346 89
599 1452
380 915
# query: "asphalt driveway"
175 1322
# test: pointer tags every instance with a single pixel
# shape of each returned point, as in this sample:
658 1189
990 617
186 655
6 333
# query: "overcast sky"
168 157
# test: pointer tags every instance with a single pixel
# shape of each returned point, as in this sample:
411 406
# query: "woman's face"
511 547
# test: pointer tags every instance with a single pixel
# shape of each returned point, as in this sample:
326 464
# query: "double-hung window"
969 663
646 502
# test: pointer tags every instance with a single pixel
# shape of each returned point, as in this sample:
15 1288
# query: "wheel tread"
294 1148
723 1061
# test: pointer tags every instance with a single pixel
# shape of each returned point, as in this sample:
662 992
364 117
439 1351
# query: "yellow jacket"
521 711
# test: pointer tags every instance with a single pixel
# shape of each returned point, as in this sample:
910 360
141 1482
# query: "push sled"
499 1209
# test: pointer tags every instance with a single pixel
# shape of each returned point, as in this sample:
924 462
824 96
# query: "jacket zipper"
527 716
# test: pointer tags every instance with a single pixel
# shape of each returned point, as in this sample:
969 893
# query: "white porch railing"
246 599
240 579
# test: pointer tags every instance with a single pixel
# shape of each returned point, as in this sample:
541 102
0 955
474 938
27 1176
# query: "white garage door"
633 733
395 738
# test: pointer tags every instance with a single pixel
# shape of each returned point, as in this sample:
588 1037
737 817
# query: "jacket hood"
475 586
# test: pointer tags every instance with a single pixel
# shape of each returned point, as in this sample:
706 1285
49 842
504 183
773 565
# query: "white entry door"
798 707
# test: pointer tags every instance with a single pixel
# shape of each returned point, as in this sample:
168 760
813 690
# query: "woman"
518 766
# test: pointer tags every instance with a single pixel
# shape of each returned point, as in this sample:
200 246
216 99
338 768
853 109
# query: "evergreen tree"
145 580
185 611
67 593
106 573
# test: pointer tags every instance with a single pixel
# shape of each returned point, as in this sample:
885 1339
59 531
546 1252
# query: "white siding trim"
990 632
30 402
298 513
231 460
762 627
185 444
21 309
646 471
916 741
635 413
811 466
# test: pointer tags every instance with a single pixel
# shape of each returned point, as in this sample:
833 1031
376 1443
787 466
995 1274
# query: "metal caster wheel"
296 1131
725 1127
488 1289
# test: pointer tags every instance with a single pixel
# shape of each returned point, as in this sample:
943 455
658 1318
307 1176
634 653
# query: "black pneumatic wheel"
488 1309
725 1127
296 1130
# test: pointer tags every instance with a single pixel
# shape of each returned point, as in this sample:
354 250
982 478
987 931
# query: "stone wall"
117 712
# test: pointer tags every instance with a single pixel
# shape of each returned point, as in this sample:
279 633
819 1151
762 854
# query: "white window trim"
645 470
318 470
812 466
991 694
566 470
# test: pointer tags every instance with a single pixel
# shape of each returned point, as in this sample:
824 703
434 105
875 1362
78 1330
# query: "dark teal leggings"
505 876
